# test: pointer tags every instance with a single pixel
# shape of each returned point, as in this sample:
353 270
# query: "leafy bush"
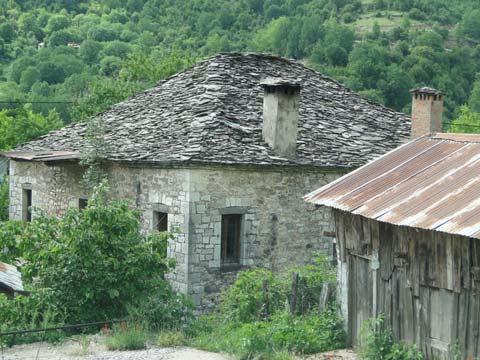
245 328
94 265
22 125
163 309
244 301
376 343
4 200
38 310
283 332
171 339
127 337
10 236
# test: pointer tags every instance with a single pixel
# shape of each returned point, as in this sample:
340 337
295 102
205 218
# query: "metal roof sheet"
10 278
44 156
432 182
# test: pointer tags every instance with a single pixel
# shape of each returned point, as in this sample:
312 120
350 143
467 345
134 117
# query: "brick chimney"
427 109
280 115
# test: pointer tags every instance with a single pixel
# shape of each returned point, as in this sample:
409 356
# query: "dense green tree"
18 66
57 22
467 122
395 86
29 77
116 48
367 63
102 94
470 24
22 125
102 33
51 72
430 39
7 32
110 65
89 51
62 37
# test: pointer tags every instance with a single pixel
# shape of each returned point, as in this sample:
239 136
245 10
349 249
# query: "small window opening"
230 247
160 221
27 205
82 203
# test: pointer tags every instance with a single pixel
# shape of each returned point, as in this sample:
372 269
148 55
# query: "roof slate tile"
212 113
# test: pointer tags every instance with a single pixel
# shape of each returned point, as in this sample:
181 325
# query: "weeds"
376 343
127 337
171 339
254 323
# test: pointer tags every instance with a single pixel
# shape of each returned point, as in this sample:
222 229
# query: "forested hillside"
62 61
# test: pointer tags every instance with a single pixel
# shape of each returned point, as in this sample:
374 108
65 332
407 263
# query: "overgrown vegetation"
88 266
127 336
376 343
256 319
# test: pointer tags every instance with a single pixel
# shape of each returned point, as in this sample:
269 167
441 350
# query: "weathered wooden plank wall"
427 284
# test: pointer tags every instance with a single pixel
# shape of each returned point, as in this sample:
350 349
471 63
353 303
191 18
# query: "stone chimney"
427 109
280 115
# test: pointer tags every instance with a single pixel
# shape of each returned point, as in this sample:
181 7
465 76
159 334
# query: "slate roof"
212 113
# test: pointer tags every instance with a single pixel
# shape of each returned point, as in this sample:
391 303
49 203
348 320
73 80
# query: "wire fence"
10 338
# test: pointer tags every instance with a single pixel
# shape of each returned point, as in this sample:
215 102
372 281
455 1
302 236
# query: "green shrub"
127 337
283 332
37 311
95 261
376 343
4 199
171 339
245 328
10 235
89 266
245 300
162 308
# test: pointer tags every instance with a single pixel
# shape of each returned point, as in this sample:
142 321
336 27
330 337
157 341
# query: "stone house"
223 152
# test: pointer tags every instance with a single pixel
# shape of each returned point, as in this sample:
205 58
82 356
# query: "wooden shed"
408 237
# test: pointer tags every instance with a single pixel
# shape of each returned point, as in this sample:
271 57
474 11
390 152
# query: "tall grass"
127 337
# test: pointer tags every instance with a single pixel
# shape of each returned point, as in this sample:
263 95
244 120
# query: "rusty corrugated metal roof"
431 183
44 156
10 278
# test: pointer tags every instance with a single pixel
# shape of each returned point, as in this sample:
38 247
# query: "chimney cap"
427 91
279 82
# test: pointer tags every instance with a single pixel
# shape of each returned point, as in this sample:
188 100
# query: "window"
27 205
230 248
160 221
82 203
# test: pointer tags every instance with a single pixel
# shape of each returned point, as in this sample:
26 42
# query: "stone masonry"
278 228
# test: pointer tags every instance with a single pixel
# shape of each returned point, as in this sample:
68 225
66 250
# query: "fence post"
304 291
325 294
266 300
293 300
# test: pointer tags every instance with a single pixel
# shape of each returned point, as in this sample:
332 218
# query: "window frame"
160 217
236 259
27 203
82 203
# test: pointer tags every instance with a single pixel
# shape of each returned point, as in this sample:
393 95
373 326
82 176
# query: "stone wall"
55 188
278 228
